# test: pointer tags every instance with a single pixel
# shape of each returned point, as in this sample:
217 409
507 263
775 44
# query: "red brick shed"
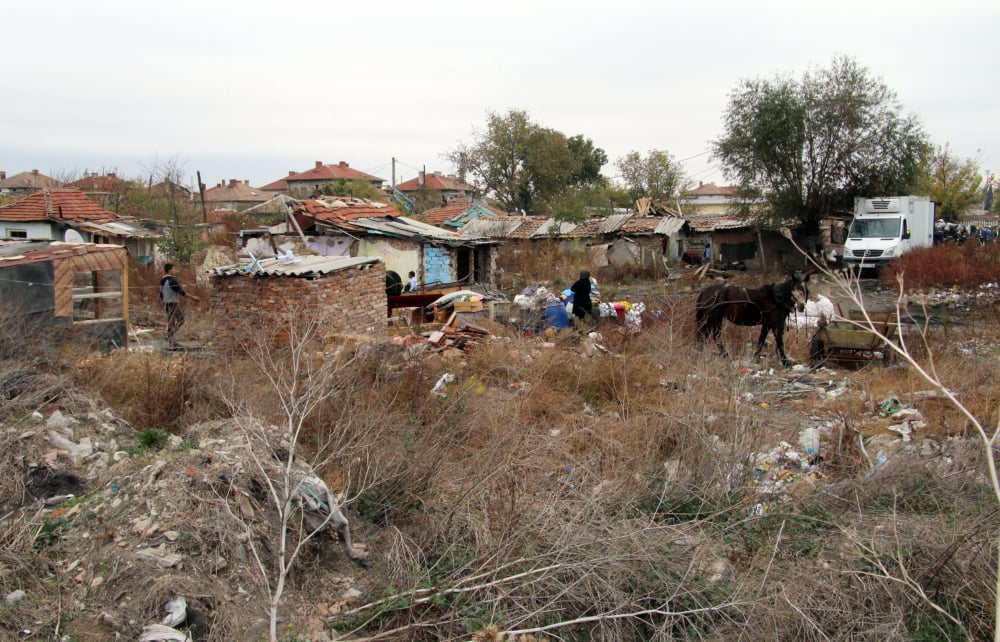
347 295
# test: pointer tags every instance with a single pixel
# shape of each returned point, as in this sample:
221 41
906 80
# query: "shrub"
946 265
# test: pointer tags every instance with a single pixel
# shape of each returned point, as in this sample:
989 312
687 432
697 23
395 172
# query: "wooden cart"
844 341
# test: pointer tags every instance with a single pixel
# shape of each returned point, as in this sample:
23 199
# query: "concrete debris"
159 555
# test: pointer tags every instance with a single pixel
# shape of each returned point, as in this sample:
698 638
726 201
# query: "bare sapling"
295 380
849 285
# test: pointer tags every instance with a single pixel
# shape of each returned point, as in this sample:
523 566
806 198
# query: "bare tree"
296 381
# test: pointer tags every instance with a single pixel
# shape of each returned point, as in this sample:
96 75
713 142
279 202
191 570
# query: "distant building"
235 195
436 188
709 198
315 180
25 183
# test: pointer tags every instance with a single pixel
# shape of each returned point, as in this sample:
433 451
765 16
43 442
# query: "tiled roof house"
235 195
307 183
25 182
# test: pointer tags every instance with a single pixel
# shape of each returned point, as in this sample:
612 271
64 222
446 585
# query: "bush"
946 265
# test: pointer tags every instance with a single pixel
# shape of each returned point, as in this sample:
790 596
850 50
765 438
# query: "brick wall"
350 301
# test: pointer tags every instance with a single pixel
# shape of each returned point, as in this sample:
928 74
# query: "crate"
468 306
500 311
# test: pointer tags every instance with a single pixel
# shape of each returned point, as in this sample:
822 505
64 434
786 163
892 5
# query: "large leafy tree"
656 175
955 185
809 146
522 164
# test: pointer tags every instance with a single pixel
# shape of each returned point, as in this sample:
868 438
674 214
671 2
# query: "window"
17 234
97 296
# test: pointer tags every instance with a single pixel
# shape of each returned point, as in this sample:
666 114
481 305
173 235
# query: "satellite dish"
72 236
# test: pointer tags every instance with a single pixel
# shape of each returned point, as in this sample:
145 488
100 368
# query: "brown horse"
767 306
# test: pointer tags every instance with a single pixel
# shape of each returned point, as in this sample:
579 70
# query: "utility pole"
393 172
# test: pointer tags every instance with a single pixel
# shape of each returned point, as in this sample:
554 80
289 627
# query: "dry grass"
547 487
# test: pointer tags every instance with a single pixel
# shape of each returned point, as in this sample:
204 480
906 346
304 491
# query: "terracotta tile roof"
435 182
711 189
94 183
23 252
217 217
280 185
458 208
345 210
331 173
29 180
56 204
235 191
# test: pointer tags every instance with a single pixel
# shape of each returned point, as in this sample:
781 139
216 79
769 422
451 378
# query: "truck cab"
886 227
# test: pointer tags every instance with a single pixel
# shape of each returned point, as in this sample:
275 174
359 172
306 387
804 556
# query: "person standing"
411 283
582 305
170 293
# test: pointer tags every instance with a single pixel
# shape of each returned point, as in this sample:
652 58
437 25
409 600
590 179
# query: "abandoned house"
343 226
75 290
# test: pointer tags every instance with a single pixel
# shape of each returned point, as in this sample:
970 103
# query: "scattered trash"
162 633
14 597
439 387
176 612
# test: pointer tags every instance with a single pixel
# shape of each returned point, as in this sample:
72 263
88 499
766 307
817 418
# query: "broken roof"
303 266
459 211
354 215
59 204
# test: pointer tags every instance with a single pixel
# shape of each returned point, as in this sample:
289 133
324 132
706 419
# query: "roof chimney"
343 164
232 182
3 175
319 164
700 184
291 173
35 172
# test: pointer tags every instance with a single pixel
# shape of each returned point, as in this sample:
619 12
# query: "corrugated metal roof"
116 228
491 227
613 223
546 228
669 226
300 266
711 223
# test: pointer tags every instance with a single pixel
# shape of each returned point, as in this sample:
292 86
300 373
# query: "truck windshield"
874 228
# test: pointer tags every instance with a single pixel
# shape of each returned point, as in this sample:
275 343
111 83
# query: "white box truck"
886 227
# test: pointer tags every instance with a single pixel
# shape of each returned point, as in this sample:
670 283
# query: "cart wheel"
817 351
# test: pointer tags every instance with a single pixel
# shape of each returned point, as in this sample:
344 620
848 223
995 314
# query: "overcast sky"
251 90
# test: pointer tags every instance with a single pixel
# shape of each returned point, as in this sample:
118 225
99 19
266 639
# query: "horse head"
797 290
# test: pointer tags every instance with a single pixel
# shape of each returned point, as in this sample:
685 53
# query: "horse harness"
777 289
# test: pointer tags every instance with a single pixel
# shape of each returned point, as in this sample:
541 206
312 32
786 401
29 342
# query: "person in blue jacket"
170 293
